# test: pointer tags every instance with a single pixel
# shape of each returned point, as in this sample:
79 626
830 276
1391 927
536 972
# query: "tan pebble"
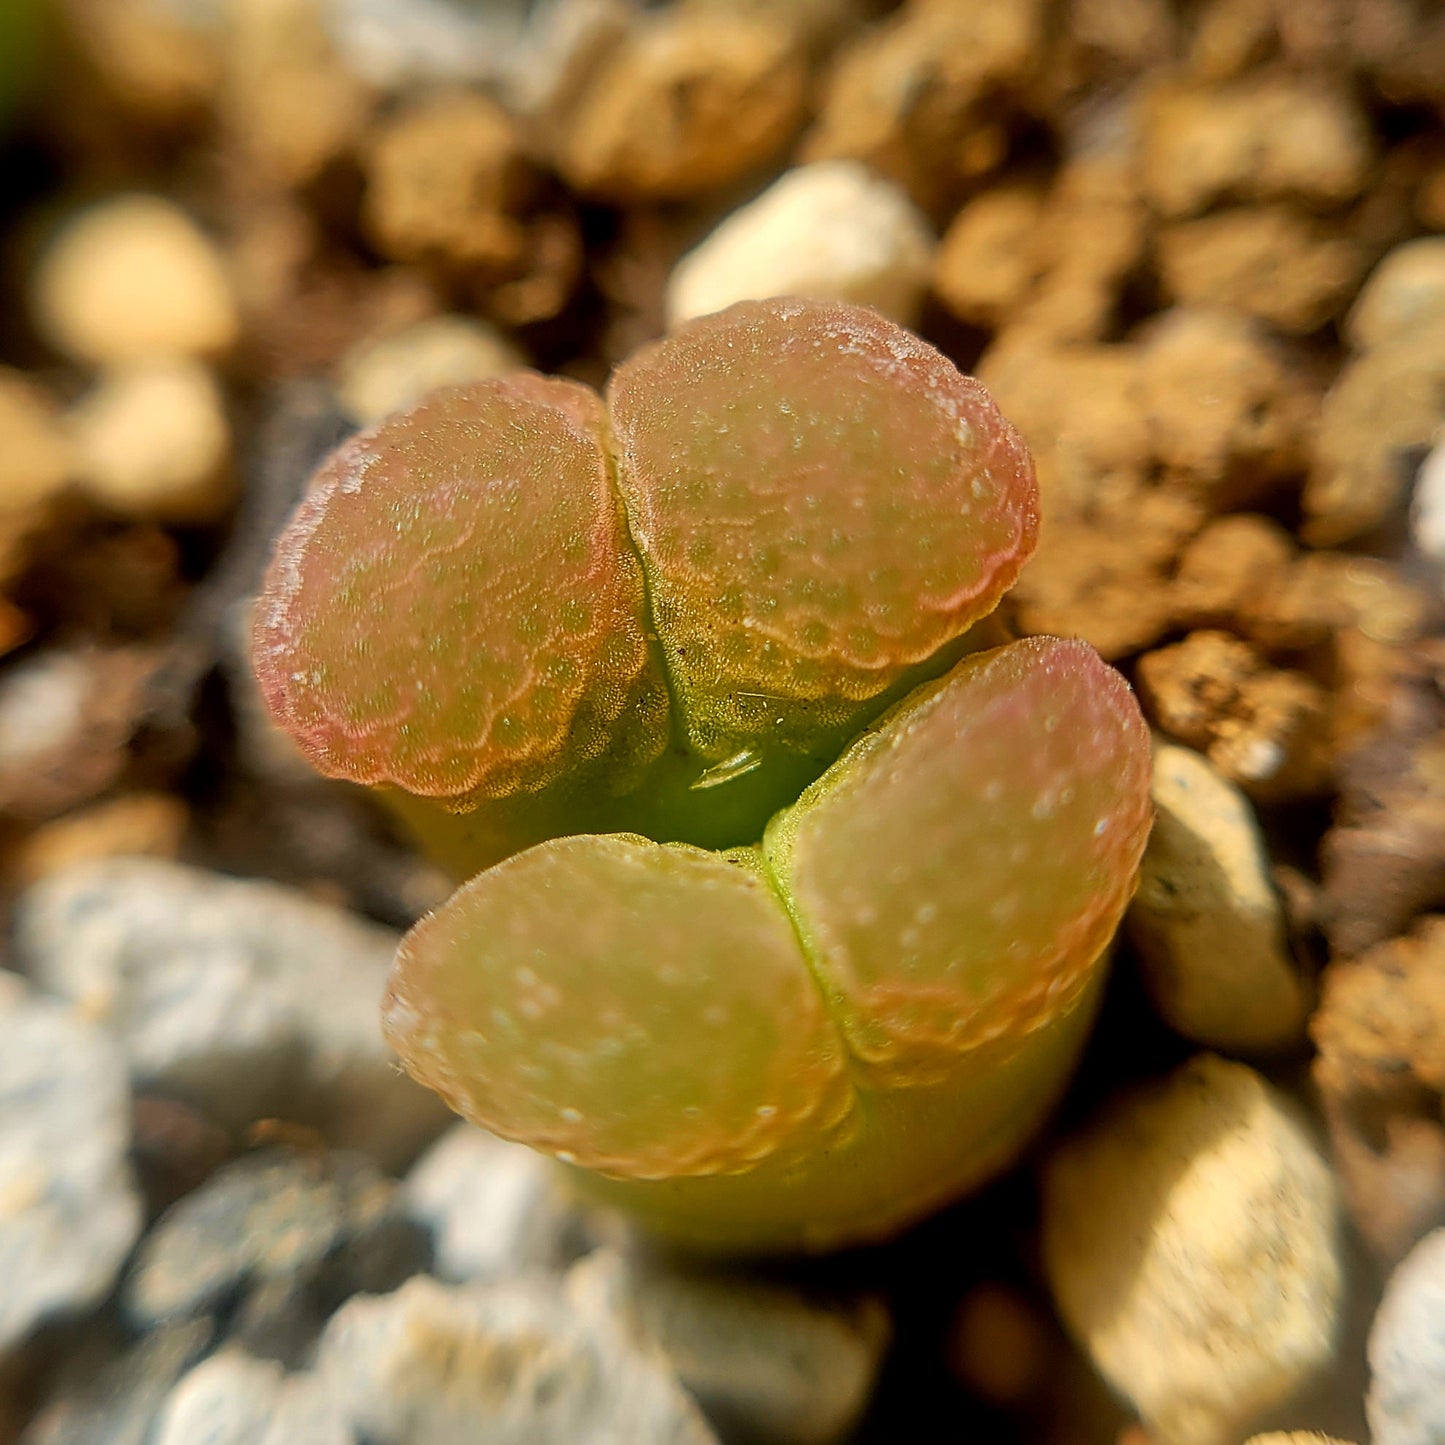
829 230
387 373
1269 262
1404 292
66 718
924 99
154 442
1093 233
991 255
1227 566
1207 924
687 102
1385 406
1190 1239
161 61
1267 729
1230 417
133 279
1294 1437
287 101
36 457
148 825
1327 592
445 178
1263 137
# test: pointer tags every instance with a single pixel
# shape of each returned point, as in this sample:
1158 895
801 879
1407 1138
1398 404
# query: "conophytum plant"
784 902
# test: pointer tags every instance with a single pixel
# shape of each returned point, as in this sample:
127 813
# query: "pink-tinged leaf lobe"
958 872
455 608
821 501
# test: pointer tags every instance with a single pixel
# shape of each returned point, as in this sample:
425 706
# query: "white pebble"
1406 1404
493 1207
831 230
1190 1239
384 375
131 279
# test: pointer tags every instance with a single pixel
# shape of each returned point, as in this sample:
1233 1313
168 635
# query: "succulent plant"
785 902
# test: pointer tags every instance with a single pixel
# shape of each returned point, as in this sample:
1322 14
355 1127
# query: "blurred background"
1191 245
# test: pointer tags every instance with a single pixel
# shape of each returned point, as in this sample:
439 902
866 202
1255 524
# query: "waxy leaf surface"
821 501
455 609
957 873
639 1008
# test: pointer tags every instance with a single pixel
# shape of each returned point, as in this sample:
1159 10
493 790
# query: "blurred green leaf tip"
785 904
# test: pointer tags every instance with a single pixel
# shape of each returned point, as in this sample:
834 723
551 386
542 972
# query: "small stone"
1294 1437
388 373
1321 595
1405 292
1271 262
245 998
225 1400
565 44
159 61
66 718
306 1414
153 441
1406 1403
393 44
1092 236
36 458
234 1399
1427 513
1230 417
829 230
288 103
69 1210
1384 856
494 1208
1265 728
1206 922
274 1217
518 1362
1262 137
117 1404
1381 414
134 279
990 256
1227 567
765 1360
149 825
688 101
1380 1031
925 99
446 180
1190 1241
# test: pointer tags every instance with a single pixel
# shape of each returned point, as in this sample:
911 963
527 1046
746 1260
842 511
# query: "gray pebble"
766 1359
244 998
118 1403
272 1227
517 1362
1406 1404
69 1209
